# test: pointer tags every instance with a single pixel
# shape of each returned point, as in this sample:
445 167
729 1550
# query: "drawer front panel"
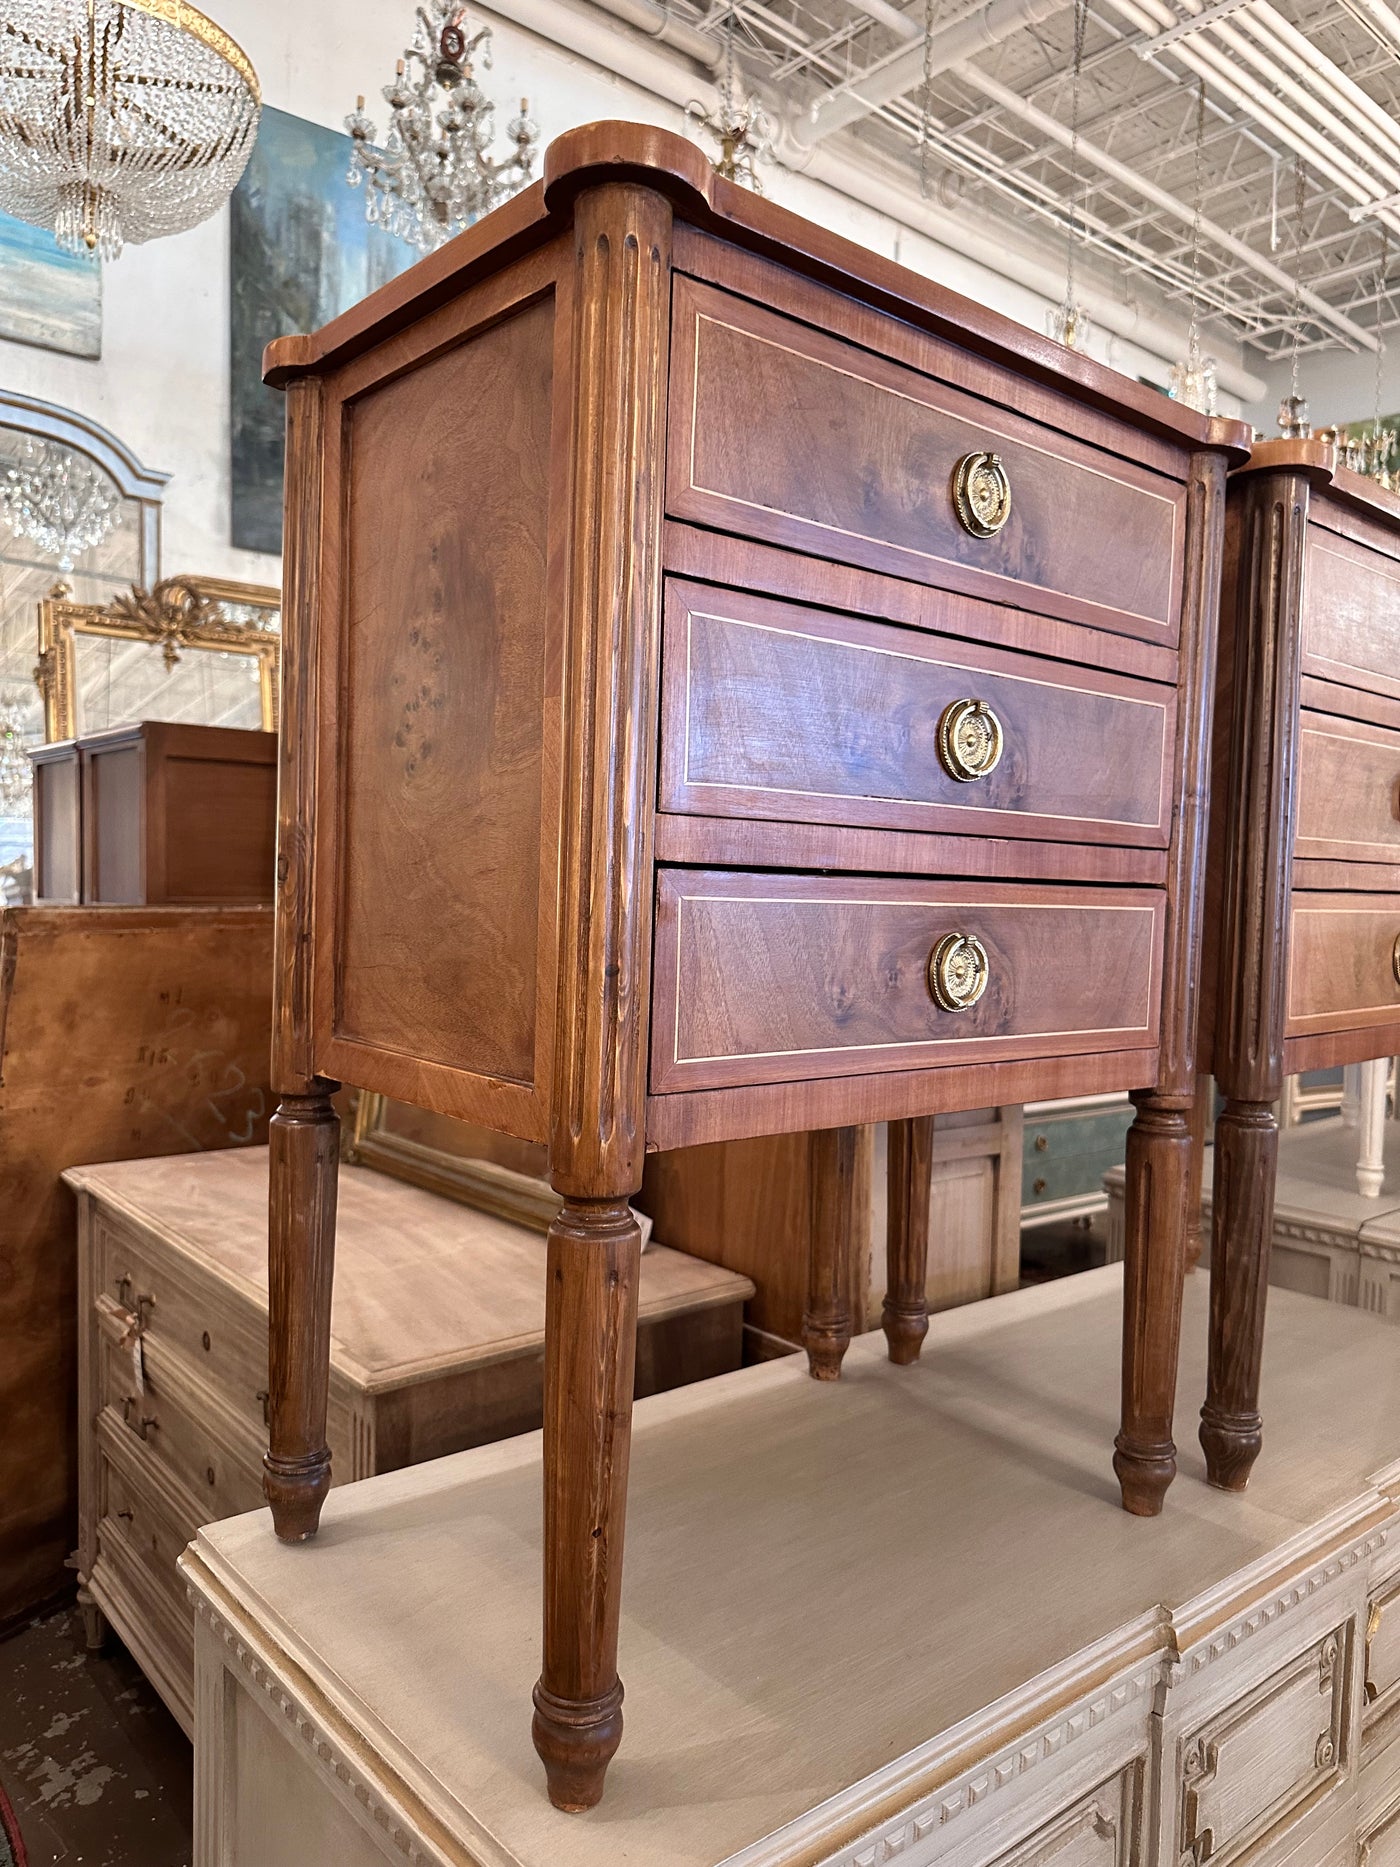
1351 614
221 1478
775 710
1382 1654
780 978
781 433
1100 1830
1256 1763
1348 791
176 1310
1342 963
135 1532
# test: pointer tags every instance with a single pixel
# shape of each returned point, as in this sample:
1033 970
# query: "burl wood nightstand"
1304 954
733 686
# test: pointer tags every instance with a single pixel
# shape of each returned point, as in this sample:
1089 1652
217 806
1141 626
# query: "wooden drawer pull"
969 740
958 970
982 494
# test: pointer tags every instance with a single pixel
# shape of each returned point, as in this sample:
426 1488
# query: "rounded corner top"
619 151
288 357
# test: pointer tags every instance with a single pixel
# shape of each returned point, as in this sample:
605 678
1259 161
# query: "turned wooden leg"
1246 1163
1200 1124
1156 1214
95 1627
826 1320
590 1361
304 1141
904 1316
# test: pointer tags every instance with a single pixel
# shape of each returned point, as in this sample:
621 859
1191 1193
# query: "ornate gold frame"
180 613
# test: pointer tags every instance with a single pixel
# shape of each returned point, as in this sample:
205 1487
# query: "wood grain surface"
125 1032
1351 595
1348 790
776 711
1341 969
782 433
765 979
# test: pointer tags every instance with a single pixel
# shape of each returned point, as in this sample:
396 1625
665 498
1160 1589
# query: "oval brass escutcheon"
982 493
958 970
969 740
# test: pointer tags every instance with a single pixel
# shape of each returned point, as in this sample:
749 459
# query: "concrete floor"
96 1768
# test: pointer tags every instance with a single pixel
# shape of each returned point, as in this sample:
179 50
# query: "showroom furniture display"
125 1032
732 686
1305 857
162 814
857 1628
437 1343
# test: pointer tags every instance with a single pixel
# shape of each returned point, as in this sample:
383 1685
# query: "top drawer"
1351 614
779 432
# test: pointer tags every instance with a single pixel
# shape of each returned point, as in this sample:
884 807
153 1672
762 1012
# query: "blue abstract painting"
301 252
48 297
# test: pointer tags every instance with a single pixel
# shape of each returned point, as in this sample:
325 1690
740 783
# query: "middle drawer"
775 710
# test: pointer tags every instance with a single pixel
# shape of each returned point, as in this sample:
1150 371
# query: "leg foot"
576 1742
904 1317
304 1141
1242 1224
1156 1213
590 1362
94 1621
826 1321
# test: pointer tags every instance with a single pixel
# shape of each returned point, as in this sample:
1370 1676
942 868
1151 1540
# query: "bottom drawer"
783 978
1344 963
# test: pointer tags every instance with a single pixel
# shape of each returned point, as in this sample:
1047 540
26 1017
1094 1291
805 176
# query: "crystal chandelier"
433 176
61 501
1068 322
738 123
120 119
1192 381
15 772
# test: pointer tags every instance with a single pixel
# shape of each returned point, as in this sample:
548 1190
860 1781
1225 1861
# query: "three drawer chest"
801 719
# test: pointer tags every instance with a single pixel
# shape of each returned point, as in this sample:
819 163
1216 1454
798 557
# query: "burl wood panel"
442 732
783 433
124 1033
780 978
775 710
1342 964
1351 596
1348 790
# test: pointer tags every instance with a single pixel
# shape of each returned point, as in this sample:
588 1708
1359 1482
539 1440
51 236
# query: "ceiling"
1299 149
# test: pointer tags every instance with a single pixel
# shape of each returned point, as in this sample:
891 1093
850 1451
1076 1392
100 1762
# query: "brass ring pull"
958 971
1395 959
981 494
969 740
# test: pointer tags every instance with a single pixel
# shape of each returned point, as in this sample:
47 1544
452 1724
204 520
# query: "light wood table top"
820 1578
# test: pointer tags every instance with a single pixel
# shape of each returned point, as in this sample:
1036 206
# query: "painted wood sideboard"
437 1342
1304 873
896 1622
705 758
123 1032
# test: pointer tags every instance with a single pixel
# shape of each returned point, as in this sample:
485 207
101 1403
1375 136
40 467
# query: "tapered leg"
304 1140
826 1320
1246 1163
904 1317
1156 1208
590 1361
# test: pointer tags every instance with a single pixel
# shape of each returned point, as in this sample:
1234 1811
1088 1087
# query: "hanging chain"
1081 21
1382 267
1296 318
927 112
1193 336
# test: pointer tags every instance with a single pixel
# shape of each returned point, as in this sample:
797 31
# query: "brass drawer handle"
981 494
1395 959
969 740
958 971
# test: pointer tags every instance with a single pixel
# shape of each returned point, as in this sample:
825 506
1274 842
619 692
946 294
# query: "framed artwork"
48 297
300 253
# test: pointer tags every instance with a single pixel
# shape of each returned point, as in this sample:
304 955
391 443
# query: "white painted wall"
162 381
1340 386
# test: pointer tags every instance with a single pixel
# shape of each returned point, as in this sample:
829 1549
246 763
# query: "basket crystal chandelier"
434 175
120 120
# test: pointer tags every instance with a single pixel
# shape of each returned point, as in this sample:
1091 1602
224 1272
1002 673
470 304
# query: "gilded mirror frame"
179 614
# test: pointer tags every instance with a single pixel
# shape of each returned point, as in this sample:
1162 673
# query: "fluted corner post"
303 1138
618 297
826 1315
1254 950
904 1316
1158 1165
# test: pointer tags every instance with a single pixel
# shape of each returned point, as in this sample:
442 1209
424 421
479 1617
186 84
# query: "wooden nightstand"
733 686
